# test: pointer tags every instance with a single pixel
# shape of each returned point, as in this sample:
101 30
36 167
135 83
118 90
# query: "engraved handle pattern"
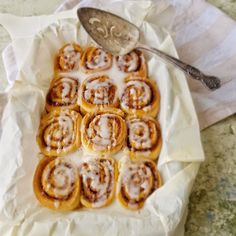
211 82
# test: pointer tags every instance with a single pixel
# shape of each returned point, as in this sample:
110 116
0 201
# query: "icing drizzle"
64 92
58 180
97 177
59 131
137 95
142 134
138 180
69 58
100 91
103 131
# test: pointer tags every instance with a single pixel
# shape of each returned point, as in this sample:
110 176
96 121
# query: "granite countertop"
212 207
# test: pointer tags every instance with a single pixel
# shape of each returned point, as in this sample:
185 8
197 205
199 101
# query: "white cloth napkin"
204 36
19 211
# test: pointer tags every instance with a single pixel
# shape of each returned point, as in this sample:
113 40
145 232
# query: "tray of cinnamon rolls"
99 136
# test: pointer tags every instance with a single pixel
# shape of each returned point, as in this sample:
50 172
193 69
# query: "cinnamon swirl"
59 132
56 184
68 58
103 132
98 176
140 97
95 60
98 92
132 63
63 94
137 180
144 137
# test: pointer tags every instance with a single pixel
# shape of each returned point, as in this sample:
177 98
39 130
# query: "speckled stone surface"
212 206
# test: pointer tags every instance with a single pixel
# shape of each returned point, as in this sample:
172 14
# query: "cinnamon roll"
98 176
144 137
98 92
132 63
137 180
95 60
140 97
63 94
59 132
56 184
69 57
103 132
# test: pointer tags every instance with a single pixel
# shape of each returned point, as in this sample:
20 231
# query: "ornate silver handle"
210 82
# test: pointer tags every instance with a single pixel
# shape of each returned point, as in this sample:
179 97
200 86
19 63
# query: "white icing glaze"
60 180
139 93
102 132
91 179
67 131
104 127
60 132
129 62
147 108
68 49
139 134
114 73
71 57
64 90
99 91
137 178
98 60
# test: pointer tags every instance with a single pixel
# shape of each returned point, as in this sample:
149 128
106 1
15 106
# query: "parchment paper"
165 210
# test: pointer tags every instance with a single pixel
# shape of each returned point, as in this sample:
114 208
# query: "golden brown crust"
140 97
103 132
59 133
63 94
98 178
144 137
137 180
68 58
95 60
97 93
56 184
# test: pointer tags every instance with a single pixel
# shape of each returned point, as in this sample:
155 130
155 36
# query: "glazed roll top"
98 178
144 137
132 63
140 97
57 184
59 132
137 180
103 132
95 60
63 94
98 92
68 58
